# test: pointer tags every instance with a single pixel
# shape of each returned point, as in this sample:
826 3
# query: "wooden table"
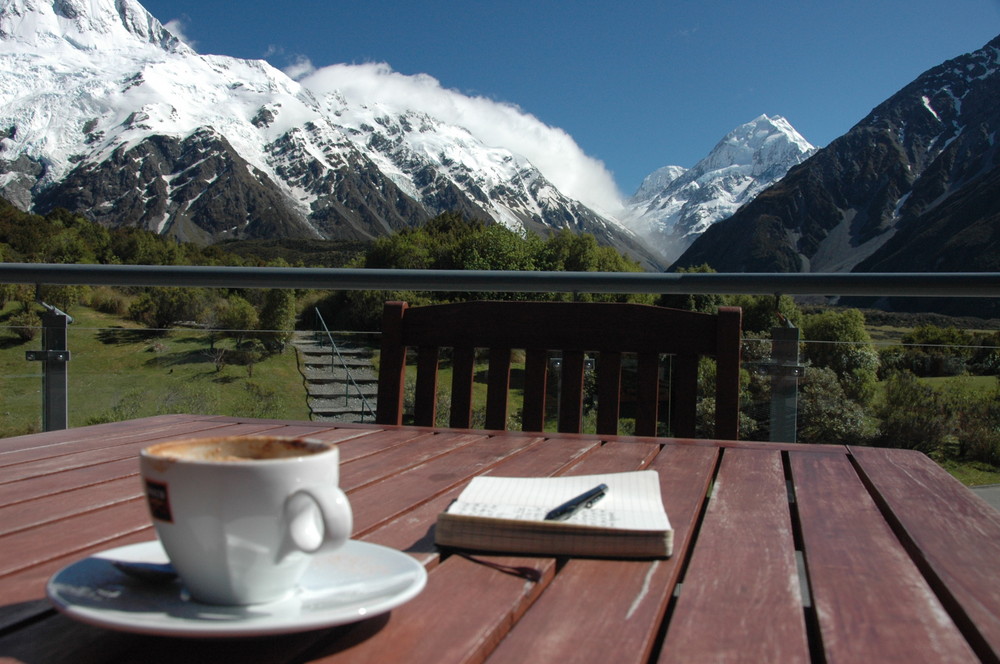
783 553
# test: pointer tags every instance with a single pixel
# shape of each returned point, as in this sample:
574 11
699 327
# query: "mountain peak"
654 183
674 206
86 25
758 144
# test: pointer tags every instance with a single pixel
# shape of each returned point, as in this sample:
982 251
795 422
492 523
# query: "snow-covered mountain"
674 206
912 187
104 112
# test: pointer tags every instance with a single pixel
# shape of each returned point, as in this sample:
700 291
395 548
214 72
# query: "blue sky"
637 85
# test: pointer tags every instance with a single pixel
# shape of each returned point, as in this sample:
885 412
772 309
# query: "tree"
827 415
703 302
162 307
495 247
929 350
914 415
763 312
235 317
277 318
63 297
839 340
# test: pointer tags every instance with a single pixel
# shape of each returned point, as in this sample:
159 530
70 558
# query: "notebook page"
632 501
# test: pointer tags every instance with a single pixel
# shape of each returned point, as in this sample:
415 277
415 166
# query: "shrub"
827 415
914 415
109 301
26 325
838 340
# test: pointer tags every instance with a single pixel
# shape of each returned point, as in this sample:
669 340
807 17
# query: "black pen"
585 499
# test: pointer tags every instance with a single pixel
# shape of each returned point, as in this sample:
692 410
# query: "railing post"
785 370
54 356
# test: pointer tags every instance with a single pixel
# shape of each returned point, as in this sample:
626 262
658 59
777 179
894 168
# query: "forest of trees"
851 391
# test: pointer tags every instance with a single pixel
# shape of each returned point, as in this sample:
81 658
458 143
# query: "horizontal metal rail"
905 284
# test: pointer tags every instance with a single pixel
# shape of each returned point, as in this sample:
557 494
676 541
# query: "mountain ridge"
139 118
901 170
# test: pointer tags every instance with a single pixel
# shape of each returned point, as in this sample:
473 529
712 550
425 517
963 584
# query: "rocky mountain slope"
105 113
914 186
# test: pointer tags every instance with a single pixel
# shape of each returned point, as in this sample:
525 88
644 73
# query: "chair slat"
536 371
647 390
609 388
684 395
498 387
571 392
727 374
425 399
463 369
392 365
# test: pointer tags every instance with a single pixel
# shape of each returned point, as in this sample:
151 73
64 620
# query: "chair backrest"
577 330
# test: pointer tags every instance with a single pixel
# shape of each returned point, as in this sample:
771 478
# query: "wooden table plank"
36 545
740 599
461 614
75 441
373 442
398 493
16 443
24 590
58 639
953 533
871 601
52 508
59 444
97 450
370 469
610 610
22 491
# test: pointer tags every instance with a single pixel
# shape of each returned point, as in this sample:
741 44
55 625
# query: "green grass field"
119 370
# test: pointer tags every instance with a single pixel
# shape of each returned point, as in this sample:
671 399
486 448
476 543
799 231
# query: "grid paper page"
632 501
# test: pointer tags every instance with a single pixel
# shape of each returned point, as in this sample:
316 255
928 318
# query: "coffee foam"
237 448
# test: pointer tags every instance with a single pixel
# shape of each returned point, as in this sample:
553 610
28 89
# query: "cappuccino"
240 516
237 449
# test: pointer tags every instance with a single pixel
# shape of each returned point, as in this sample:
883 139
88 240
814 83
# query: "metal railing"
905 284
782 368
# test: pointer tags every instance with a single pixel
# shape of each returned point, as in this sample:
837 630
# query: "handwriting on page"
590 517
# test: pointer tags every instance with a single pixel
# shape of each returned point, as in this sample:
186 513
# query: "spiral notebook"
508 514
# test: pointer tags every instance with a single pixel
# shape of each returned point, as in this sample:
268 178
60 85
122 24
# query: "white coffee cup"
240 516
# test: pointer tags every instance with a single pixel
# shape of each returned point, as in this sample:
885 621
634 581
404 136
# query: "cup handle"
334 511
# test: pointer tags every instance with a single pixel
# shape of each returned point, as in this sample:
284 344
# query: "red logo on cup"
159 501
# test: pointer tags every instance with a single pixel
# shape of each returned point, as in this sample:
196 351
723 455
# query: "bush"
826 413
914 415
839 340
109 301
929 350
977 421
159 308
26 325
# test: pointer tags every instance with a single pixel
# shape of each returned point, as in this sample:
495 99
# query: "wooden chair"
574 328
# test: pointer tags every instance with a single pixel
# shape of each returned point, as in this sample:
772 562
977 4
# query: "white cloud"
497 124
177 28
299 69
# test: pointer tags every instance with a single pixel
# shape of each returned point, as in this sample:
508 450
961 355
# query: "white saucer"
357 581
